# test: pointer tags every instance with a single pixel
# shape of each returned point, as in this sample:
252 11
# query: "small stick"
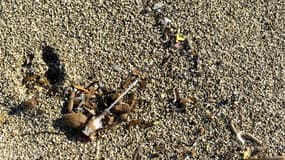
176 95
80 88
252 138
71 101
90 92
237 133
82 101
121 96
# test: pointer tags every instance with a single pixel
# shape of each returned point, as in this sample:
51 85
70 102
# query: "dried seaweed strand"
237 133
252 138
71 101
121 96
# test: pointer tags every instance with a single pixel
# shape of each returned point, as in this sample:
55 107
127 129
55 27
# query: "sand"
239 77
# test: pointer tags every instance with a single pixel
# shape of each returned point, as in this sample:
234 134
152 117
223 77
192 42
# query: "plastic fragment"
180 37
164 21
157 6
246 154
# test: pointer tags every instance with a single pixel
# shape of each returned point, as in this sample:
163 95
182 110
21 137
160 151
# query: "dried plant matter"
84 113
96 122
181 103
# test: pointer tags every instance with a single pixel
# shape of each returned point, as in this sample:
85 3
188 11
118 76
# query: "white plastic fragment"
117 68
158 6
101 85
164 21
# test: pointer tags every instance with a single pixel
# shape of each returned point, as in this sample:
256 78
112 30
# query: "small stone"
101 85
117 68
162 95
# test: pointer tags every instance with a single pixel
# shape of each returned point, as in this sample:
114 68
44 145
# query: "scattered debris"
36 80
171 37
87 107
96 122
179 104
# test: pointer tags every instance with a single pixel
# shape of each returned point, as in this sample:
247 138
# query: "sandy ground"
240 77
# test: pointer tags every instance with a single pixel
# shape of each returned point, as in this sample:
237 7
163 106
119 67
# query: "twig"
252 138
71 101
82 101
121 96
237 133
241 134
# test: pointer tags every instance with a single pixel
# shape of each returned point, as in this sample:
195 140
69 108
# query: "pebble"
101 85
162 95
117 68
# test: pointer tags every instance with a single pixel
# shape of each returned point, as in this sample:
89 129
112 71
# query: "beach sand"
239 77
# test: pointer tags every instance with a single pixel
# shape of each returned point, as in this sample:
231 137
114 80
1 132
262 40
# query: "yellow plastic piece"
180 37
246 154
